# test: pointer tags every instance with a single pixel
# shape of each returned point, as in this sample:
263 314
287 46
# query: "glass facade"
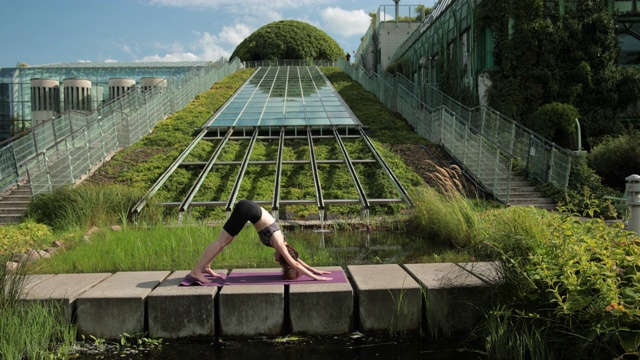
285 96
15 85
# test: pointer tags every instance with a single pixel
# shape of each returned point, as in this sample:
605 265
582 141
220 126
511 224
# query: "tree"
288 40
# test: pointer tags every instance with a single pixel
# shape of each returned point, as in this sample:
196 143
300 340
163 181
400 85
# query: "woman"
270 235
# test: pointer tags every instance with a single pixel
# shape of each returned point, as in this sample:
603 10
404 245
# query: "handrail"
501 149
26 156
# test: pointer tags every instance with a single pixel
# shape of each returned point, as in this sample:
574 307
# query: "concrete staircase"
14 204
522 193
483 167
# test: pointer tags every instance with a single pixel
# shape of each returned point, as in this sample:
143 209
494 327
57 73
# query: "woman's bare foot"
199 275
213 273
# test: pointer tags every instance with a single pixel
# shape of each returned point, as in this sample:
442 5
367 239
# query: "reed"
442 213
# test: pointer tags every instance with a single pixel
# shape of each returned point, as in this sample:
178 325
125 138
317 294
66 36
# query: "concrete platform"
62 290
116 305
389 299
182 311
251 310
321 309
454 294
30 281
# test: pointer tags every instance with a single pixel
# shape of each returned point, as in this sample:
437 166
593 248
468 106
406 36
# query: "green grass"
30 330
167 247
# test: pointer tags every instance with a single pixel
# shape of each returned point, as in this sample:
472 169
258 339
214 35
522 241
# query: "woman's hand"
323 278
320 272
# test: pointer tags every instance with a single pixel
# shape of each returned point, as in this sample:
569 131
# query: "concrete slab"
181 311
63 289
454 295
486 272
251 310
116 305
321 309
30 281
389 300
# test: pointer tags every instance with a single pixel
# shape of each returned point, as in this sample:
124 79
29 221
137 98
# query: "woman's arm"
282 249
315 271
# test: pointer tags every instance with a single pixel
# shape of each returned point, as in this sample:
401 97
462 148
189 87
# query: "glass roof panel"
284 96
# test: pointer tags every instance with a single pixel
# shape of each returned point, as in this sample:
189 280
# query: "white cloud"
248 5
206 47
171 57
234 35
345 22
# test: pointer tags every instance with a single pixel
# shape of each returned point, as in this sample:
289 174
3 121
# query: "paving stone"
182 311
62 290
252 310
454 295
321 309
116 305
389 299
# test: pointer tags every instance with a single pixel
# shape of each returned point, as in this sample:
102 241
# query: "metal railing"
486 143
62 150
267 63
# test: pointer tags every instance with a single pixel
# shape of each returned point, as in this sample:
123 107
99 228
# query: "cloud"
345 22
234 35
207 47
248 5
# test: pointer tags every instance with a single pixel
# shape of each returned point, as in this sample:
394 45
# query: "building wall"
392 34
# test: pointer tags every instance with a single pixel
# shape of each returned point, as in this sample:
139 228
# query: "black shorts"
245 210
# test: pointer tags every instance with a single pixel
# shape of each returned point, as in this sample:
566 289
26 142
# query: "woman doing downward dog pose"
270 235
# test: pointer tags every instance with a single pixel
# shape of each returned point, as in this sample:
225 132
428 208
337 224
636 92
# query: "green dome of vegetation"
287 40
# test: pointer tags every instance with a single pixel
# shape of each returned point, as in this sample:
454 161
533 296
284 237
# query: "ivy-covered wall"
544 55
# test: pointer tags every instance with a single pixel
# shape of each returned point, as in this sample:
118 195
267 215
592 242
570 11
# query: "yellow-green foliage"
24 236
581 277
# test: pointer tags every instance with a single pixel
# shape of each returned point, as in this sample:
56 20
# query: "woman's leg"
244 211
204 263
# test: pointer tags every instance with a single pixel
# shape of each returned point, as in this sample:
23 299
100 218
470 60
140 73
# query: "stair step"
12 210
530 201
14 197
13 204
10 219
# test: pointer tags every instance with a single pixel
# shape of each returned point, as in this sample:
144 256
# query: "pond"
363 246
352 346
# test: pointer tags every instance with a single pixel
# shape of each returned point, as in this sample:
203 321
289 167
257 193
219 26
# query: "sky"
38 32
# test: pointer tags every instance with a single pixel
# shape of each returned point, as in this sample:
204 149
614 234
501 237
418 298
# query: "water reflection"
357 246
335 347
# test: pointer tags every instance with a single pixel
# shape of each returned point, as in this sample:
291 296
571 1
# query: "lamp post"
633 201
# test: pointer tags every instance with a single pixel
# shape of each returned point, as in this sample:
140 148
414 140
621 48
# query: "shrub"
615 158
288 39
585 193
569 279
555 121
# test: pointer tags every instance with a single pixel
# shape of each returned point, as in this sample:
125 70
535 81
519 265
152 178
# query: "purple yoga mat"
263 278
275 278
215 281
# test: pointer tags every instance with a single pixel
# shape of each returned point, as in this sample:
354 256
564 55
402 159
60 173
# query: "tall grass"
442 213
167 247
84 206
28 329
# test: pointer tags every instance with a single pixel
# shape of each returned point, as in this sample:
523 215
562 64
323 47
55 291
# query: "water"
355 346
